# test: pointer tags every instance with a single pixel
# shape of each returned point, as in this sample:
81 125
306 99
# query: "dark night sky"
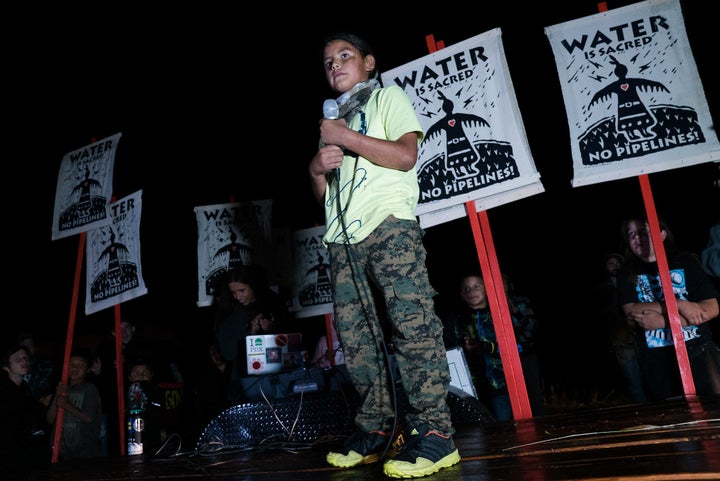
214 103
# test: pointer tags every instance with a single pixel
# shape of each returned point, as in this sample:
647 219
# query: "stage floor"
673 440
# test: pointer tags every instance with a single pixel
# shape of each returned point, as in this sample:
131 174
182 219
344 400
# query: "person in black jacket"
246 305
24 434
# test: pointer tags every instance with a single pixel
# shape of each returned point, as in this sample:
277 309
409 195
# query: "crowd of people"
628 302
152 366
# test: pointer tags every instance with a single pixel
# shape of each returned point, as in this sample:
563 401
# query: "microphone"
331 111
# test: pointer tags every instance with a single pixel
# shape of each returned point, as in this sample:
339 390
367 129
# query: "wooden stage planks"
670 441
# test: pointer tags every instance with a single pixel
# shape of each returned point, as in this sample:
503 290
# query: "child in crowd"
145 396
83 415
642 299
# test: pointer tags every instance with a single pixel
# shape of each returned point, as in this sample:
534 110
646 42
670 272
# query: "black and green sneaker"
360 448
426 452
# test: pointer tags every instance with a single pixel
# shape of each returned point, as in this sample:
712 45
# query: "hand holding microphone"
331 111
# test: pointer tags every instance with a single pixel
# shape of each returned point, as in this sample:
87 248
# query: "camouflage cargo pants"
392 260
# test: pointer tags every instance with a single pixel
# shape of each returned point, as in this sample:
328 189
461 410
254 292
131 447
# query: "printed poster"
634 100
312 291
229 235
114 270
84 188
475 147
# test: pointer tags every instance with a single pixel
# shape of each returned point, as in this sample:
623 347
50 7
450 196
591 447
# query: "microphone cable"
359 284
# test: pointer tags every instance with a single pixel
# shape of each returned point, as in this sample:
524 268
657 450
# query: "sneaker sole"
421 467
351 459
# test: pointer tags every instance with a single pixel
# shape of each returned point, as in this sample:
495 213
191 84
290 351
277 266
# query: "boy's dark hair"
359 43
9 351
142 361
83 353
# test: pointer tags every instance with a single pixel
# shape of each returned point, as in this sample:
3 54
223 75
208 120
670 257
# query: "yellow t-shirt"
370 193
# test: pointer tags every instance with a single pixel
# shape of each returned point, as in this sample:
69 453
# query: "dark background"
219 102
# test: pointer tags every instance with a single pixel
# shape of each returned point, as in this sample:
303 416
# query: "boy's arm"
400 154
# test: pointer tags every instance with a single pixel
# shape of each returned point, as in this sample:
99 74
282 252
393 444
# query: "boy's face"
18 364
345 66
472 291
140 372
77 369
